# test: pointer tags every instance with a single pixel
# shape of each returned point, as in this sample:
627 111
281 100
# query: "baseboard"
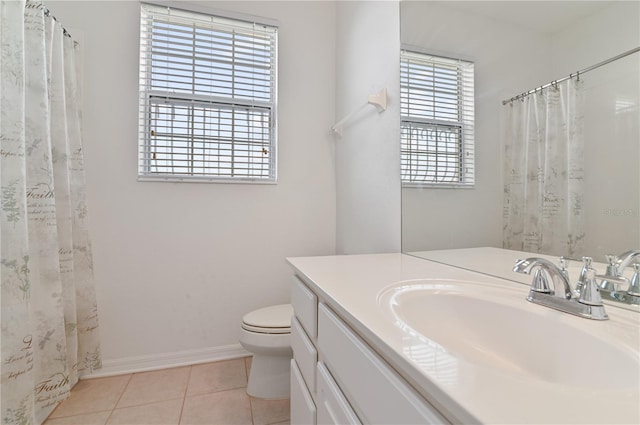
167 360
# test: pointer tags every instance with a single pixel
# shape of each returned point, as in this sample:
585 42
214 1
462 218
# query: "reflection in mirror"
516 47
617 291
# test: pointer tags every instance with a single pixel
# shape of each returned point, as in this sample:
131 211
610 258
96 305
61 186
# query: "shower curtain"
49 319
543 175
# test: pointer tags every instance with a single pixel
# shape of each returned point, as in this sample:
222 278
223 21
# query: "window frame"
207 103
463 122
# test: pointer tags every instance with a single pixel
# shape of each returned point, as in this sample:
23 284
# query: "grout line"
49 418
119 398
123 391
246 368
184 397
207 392
147 403
251 409
246 374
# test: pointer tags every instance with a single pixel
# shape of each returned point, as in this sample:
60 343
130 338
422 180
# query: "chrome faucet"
626 258
588 303
613 279
557 276
634 286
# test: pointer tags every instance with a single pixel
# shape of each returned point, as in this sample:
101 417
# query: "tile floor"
207 394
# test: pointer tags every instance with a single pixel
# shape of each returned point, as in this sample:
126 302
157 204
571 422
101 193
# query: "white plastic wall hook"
379 100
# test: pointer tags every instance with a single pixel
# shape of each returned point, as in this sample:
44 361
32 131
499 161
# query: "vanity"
392 339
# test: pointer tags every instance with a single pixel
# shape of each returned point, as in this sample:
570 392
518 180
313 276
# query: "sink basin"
494 327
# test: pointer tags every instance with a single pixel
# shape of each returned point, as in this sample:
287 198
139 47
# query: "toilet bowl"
266 333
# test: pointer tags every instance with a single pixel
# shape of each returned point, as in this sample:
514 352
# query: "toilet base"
269 376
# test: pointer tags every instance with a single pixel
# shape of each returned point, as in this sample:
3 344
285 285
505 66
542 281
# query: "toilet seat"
269 320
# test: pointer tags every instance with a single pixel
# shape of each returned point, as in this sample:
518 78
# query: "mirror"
517 46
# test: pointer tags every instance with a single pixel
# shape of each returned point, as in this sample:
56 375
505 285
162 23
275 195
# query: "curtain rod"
577 74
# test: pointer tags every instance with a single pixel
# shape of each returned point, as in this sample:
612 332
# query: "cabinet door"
333 408
303 410
305 305
375 391
305 353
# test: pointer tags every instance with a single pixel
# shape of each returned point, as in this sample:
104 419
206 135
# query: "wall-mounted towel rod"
379 100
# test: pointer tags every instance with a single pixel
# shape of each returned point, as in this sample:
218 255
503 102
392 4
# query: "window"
437 114
207 97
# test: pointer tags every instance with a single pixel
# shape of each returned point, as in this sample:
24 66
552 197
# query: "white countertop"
465 392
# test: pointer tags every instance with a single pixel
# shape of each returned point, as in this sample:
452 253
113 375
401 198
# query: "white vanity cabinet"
304 325
337 378
395 339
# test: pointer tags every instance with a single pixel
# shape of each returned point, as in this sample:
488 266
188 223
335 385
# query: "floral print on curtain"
49 319
544 171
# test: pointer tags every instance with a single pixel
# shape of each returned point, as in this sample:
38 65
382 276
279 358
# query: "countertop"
463 391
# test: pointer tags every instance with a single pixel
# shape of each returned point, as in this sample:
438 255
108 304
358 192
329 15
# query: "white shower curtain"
49 315
543 175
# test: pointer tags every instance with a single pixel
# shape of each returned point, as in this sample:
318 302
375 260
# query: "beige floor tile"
161 413
159 385
224 407
267 412
99 418
217 376
91 396
283 423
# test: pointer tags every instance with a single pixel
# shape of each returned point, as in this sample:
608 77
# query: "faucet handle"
590 294
612 264
634 286
564 261
611 283
609 280
586 265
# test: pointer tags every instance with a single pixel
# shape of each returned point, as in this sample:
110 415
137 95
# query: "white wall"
368 153
178 264
611 120
508 60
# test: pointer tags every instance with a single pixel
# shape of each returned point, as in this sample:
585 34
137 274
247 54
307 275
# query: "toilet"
266 333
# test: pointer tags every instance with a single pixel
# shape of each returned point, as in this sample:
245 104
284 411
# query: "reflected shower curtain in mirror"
543 175
49 317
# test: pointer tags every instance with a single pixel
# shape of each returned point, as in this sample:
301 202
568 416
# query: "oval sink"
495 327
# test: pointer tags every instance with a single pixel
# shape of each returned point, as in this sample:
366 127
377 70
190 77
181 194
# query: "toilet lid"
273 319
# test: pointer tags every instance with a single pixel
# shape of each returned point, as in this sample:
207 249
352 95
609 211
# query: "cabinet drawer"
333 408
368 383
304 352
305 305
303 410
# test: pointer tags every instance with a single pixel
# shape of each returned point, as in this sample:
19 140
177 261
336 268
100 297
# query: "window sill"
218 180
407 185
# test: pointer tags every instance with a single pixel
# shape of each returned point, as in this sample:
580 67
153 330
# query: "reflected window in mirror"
437 121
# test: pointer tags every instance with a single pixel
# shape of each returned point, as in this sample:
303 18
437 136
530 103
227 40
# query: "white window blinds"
207 97
437 120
